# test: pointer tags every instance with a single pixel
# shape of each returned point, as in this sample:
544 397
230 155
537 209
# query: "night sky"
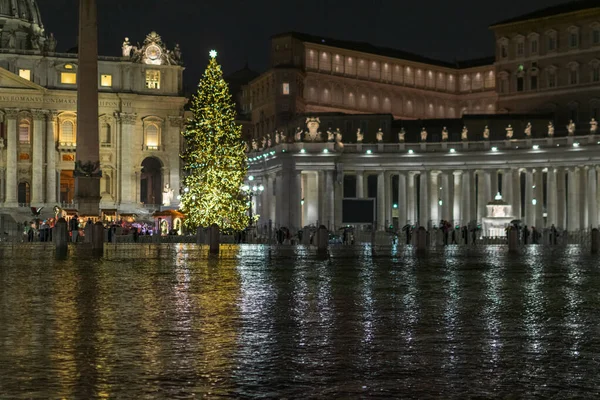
240 30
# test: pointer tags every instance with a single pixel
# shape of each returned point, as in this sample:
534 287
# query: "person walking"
74 228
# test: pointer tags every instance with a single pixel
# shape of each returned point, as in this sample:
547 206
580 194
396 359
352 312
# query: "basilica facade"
429 140
140 108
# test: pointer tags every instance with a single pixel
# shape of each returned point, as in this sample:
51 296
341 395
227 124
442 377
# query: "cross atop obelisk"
87 164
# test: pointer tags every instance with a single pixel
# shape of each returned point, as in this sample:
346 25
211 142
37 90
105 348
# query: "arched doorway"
23 193
151 181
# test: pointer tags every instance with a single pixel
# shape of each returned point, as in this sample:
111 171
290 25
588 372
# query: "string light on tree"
214 159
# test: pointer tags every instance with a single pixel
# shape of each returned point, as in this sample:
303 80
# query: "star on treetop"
213 53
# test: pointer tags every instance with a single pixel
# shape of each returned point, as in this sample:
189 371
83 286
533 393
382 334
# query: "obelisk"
87 164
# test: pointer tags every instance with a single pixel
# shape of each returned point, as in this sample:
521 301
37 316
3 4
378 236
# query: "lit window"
25 74
286 88
67 132
68 66
152 136
106 80
24 132
152 79
68 78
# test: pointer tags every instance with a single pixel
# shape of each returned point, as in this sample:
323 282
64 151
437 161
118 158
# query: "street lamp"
252 191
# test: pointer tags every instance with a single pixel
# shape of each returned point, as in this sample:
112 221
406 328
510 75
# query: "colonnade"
541 196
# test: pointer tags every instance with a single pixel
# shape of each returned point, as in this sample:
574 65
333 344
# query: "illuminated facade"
438 144
141 114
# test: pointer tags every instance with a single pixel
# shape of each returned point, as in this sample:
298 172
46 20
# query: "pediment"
13 81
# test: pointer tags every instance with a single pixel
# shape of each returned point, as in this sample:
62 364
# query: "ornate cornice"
39 114
176 121
128 118
11 112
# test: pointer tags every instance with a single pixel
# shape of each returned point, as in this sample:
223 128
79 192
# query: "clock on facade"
153 54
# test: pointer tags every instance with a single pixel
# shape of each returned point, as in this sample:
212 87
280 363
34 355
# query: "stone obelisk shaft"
87 184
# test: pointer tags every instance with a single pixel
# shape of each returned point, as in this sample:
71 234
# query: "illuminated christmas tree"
214 158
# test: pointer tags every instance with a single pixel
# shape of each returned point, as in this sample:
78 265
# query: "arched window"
67 132
24 132
152 133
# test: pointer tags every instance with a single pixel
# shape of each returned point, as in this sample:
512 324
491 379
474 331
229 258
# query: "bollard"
97 237
88 232
114 234
60 236
513 240
214 239
322 239
595 240
200 235
421 237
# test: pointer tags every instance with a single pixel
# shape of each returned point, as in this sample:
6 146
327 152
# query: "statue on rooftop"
254 144
298 135
269 143
528 130
330 135
423 135
571 128
401 135
444 134
593 126
276 136
51 43
263 142
550 129
126 48
509 132
338 135
359 136
486 133
379 135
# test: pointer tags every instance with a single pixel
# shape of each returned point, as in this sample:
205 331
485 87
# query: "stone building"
140 107
431 141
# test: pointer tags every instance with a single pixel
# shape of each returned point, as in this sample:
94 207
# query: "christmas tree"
214 157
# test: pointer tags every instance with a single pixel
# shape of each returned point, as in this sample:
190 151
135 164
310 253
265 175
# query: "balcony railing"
67 146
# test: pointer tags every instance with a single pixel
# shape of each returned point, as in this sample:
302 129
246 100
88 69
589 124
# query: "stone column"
434 198
561 193
51 187
573 199
507 181
446 197
11 157
539 196
173 150
411 210
465 212
516 193
493 184
424 199
583 203
388 198
87 184
126 171
529 209
2 181
402 203
330 200
37 177
381 201
360 184
592 203
267 195
483 190
457 201
551 195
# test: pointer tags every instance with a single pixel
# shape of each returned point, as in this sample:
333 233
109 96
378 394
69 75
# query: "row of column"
44 185
44 123
566 197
